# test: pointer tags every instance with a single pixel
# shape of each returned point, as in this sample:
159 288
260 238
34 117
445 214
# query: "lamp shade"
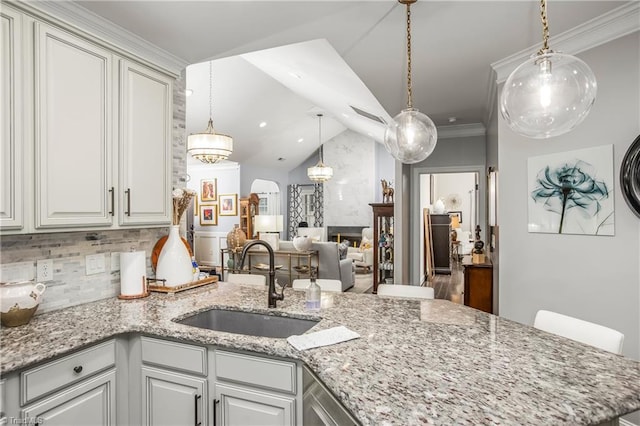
209 147
455 222
269 223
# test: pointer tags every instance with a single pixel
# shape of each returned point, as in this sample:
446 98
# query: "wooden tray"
183 287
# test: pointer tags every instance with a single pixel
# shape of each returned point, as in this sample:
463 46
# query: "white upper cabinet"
145 145
86 130
11 144
73 122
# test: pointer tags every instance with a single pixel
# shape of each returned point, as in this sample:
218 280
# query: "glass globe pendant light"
320 172
210 147
411 136
550 93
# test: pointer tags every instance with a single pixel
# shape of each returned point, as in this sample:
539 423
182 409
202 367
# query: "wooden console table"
478 284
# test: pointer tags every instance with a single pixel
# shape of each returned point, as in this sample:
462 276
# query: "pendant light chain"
210 89
545 28
409 93
320 138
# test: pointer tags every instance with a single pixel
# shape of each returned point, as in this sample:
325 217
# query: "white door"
92 402
248 407
72 131
146 105
172 399
11 145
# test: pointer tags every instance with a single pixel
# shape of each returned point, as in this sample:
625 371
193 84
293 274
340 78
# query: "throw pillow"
343 247
365 244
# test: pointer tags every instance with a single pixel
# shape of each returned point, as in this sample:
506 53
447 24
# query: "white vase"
174 262
302 243
438 207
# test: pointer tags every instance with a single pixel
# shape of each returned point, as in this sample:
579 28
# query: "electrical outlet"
44 270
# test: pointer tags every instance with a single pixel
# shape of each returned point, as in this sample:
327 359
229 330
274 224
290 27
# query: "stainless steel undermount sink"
249 323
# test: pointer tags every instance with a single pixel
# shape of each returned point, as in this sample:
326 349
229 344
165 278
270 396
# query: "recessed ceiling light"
263 124
295 75
188 92
345 115
300 140
452 119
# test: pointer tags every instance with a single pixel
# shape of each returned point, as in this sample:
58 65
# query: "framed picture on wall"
228 204
457 214
208 189
208 214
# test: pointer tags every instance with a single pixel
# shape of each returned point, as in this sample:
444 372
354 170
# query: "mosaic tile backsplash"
70 285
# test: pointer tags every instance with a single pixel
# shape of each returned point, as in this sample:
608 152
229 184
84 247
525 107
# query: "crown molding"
103 31
617 23
461 131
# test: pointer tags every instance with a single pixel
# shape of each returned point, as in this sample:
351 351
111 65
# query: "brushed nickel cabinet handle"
112 212
128 192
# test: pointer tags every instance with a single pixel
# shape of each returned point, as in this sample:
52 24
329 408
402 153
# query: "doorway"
460 190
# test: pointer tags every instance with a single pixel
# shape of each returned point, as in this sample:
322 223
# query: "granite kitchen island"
417 362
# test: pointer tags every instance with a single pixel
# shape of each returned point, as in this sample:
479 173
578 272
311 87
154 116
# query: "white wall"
595 278
228 182
347 195
446 184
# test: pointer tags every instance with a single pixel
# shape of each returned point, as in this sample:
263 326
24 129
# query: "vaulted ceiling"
282 62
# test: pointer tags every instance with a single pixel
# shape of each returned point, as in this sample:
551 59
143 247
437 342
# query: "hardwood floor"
447 287
450 287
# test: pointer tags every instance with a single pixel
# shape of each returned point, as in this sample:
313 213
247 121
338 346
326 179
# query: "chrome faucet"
273 295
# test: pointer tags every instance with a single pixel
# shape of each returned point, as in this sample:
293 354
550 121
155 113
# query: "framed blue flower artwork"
572 192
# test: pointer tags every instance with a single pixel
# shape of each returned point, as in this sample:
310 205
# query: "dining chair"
402 290
579 330
325 284
247 279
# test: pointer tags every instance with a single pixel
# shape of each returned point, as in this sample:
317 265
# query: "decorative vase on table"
174 263
302 243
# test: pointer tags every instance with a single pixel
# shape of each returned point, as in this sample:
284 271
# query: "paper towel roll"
133 273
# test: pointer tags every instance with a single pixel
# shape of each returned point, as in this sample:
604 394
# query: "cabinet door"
145 145
11 145
91 402
245 406
73 133
172 398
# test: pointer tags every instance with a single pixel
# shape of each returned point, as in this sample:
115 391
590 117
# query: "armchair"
363 256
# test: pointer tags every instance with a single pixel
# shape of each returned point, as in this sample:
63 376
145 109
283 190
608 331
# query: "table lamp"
455 223
268 228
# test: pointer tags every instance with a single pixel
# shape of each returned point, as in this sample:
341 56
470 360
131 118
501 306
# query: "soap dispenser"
312 302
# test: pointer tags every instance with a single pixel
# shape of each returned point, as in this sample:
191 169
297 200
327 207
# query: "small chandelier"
210 147
411 136
550 93
320 172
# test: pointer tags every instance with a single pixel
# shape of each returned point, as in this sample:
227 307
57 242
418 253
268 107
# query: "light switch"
95 264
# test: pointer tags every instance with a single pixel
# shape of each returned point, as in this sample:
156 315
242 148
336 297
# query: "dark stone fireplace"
351 233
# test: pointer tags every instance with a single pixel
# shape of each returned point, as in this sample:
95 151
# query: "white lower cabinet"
172 398
241 405
255 390
91 402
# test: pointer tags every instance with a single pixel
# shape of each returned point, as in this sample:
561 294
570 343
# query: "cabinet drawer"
54 375
256 371
179 356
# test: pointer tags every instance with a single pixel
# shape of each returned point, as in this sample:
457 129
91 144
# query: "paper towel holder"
145 292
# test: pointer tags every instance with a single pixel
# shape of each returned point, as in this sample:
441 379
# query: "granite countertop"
417 362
